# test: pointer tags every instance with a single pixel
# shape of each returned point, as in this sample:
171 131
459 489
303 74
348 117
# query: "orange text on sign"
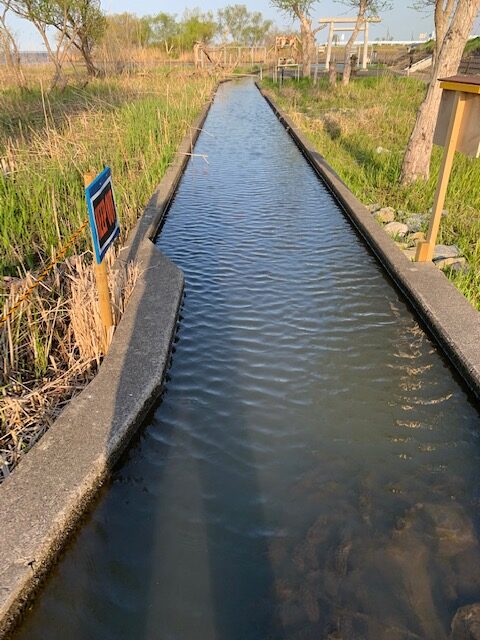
105 215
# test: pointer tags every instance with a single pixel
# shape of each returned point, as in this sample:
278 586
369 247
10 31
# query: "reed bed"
51 346
362 130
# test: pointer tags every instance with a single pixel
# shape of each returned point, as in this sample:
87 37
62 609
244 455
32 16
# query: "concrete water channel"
312 470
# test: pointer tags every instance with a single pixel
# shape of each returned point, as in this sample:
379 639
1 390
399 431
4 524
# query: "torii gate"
348 21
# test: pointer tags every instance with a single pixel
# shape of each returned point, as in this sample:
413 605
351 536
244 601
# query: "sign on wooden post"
105 229
458 129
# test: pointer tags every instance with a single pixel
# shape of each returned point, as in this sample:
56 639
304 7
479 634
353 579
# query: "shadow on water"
312 470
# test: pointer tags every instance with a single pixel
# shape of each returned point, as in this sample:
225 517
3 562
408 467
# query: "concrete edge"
447 314
44 498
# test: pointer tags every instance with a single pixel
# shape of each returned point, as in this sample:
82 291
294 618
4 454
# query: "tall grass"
362 130
47 143
51 347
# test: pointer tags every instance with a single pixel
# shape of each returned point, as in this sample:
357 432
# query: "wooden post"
195 54
101 276
426 249
329 46
365 46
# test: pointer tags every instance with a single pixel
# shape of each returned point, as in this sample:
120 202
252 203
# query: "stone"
452 528
373 208
444 212
443 251
466 623
418 237
416 222
457 264
385 215
396 229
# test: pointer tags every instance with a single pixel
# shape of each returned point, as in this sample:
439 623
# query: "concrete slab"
446 313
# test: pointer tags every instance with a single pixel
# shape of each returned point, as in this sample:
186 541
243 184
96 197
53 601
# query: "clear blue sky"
401 21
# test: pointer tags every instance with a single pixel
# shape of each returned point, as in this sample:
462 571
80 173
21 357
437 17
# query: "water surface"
312 470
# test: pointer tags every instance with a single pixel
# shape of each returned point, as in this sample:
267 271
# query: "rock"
452 528
385 215
373 208
396 229
416 222
457 264
466 623
444 212
443 251
418 237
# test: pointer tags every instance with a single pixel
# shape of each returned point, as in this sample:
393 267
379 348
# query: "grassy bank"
362 130
47 142
52 345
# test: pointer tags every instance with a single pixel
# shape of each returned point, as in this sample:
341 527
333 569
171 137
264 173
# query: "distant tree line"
233 24
68 26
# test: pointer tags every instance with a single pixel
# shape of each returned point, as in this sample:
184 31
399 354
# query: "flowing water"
313 468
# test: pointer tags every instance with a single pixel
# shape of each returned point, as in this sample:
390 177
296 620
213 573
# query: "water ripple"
311 440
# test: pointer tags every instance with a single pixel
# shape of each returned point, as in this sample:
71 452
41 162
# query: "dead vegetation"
51 348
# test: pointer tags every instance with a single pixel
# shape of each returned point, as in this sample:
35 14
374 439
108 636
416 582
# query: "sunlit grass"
47 142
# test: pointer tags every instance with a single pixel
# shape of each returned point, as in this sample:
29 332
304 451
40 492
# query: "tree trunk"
347 69
308 44
57 76
416 162
92 71
332 74
12 55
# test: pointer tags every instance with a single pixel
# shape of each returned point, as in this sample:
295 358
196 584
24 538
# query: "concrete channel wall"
43 499
447 314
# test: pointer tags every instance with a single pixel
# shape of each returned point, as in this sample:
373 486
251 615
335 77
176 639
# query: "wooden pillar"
425 249
365 46
329 46
195 55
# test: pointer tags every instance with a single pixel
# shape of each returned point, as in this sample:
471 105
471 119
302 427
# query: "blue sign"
102 213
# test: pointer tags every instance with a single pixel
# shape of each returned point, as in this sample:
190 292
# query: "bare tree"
365 9
42 14
9 46
84 27
301 10
453 23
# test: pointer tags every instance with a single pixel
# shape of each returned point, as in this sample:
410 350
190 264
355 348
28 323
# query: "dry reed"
51 348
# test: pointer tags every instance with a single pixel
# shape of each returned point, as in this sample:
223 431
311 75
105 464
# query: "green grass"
473 46
47 143
349 124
